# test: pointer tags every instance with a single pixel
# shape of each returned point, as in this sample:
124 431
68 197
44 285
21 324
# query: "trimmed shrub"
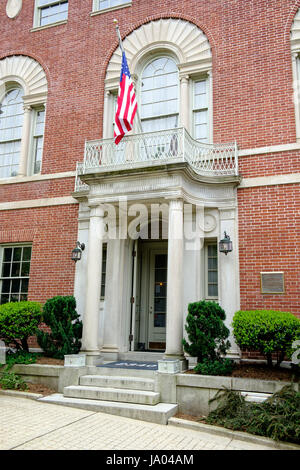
18 321
59 313
208 337
268 331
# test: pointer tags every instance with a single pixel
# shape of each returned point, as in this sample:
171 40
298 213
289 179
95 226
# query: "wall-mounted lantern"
76 253
225 245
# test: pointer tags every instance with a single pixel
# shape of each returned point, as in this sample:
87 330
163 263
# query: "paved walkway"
29 424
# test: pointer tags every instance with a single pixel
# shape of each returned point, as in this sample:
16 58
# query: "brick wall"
252 103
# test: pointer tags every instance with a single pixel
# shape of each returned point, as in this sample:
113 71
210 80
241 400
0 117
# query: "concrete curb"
237 435
20 394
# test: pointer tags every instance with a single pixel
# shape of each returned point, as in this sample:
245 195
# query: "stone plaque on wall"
272 283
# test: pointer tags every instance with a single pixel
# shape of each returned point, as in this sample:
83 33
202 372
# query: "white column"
185 102
229 283
90 335
175 281
25 141
113 297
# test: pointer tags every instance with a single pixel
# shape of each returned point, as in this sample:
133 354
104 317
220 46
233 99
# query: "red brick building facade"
253 101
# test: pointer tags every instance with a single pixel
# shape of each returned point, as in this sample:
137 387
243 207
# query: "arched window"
11 123
160 95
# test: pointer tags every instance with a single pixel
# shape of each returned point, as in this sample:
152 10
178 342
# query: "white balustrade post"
90 335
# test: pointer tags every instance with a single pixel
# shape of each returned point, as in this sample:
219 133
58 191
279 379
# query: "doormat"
131 365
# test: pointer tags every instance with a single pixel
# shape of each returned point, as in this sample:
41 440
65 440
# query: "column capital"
184 78
96 210
27 108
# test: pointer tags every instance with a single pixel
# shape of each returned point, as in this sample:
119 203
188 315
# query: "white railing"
156 148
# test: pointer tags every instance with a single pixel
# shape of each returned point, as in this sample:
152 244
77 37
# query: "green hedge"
268 331
59 313
18 321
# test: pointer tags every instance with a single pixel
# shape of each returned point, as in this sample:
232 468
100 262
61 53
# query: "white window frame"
37 13
33 141
207 244
13 245
97 6
195 109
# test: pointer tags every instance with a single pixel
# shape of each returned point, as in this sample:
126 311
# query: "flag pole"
123 50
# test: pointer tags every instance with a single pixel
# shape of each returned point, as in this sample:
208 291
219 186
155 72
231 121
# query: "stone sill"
46 26
117 7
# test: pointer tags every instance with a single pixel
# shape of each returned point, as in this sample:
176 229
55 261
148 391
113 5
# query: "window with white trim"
160 95
50 11
200 110
37 140
15 269
103 270
211 264
99 5
11 123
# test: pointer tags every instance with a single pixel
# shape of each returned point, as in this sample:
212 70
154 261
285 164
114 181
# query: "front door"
158 266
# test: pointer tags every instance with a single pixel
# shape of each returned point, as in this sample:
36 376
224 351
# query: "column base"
173 364
93 358
110 353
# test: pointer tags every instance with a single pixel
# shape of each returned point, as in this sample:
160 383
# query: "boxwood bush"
18 321
208 338
59 313
267 331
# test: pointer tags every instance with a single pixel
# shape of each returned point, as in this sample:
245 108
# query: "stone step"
131 383
159 413
114 371
256 397
112 394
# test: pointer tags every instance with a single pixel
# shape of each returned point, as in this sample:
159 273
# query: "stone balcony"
157 149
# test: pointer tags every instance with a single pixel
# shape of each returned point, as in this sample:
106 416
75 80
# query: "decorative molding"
295 33
35 178
13 8
269 149
31 203
292 178
27 71
184 39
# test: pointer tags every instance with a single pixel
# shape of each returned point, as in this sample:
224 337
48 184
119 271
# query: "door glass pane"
160 290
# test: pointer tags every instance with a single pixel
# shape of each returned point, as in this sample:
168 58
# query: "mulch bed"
258 371
50 361
36 388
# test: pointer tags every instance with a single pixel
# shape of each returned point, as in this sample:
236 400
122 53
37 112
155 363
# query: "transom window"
11 123
159 95
50 11
15 268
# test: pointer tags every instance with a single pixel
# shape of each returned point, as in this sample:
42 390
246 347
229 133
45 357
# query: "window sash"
38 140
212 274
52 12
103 271
15 272
200 110
105 4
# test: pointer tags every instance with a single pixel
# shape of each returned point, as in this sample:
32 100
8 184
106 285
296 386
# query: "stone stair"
124 392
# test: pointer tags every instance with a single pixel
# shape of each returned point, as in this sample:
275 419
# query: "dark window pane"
213 290
15 286
212 263
27 253
212 250
6 270
14 298
160 305
161 289
212 276
17 254
24 286
23 297
6 286
160 320
15 269
4 298
160 275
25 269
161 261
7 254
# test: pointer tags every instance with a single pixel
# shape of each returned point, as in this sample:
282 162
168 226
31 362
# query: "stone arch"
25 71
184 39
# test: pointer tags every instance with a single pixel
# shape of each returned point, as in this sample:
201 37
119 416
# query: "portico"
157 222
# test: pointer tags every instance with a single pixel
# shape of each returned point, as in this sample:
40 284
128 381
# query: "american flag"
126 105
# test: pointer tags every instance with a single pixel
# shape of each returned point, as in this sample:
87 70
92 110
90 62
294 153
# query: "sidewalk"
30 424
